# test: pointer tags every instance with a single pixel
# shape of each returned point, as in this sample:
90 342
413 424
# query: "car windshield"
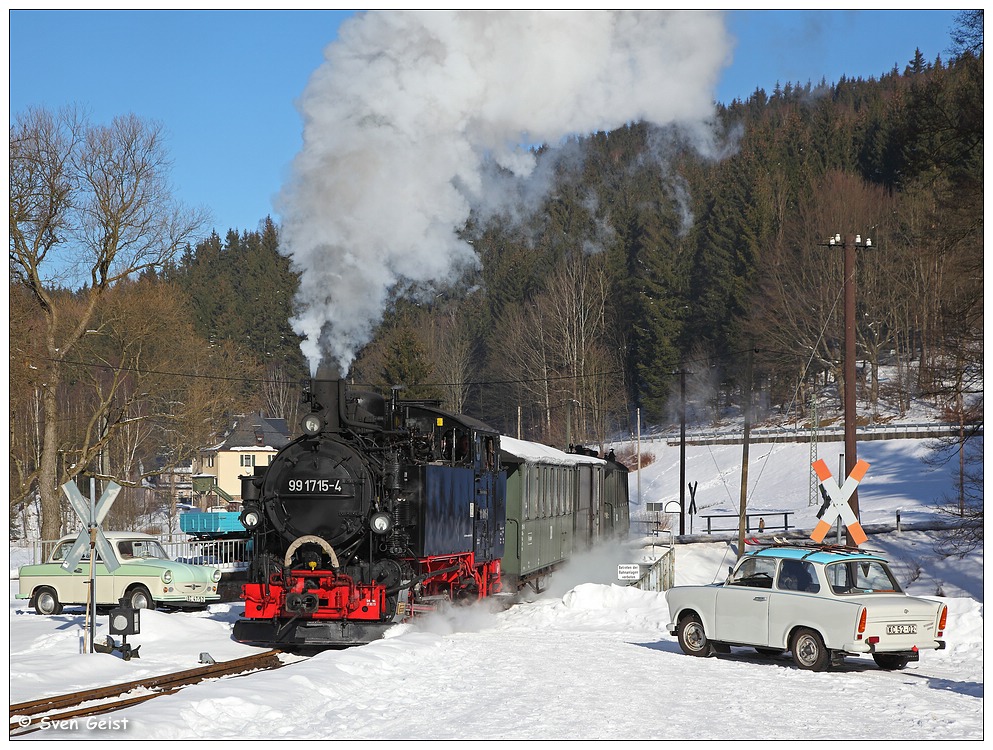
861 577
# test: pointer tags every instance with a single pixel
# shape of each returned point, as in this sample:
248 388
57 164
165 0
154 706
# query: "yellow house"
253 440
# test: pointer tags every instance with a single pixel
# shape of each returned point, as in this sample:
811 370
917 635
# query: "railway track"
62 710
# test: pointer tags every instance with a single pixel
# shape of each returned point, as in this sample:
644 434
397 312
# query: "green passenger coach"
558 505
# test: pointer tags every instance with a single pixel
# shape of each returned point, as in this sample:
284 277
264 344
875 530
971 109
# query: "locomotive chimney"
326 392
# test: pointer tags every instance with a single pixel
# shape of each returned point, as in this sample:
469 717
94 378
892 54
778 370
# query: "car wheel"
139 598
890 661
692 638
46 602
809 651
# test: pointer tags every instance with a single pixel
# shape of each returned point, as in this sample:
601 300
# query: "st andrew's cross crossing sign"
91 517
839 507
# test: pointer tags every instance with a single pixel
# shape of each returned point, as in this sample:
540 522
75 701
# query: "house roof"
255 432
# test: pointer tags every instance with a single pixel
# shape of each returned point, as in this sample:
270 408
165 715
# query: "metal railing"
750 523
229 555
799 434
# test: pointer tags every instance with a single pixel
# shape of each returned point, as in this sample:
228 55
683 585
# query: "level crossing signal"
839 507
92 515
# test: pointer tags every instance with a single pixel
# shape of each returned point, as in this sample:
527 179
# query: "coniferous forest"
647 267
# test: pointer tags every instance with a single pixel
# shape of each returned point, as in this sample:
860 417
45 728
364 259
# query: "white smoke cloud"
407 117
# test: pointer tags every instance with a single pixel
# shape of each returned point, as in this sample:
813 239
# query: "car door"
742 610
71 585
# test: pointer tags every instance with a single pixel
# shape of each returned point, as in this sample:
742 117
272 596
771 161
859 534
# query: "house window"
248 459
210 462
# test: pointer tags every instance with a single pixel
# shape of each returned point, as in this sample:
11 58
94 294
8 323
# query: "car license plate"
202 599
901 630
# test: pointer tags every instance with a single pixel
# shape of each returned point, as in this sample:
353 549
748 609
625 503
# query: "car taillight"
942 619
862 620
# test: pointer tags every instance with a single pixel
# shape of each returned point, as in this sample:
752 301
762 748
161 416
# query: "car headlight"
166 576
216 575
312 424
381 523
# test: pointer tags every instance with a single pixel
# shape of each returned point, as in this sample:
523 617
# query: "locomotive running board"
309 634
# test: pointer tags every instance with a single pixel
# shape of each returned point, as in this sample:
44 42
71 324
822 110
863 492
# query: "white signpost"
628 571
91 538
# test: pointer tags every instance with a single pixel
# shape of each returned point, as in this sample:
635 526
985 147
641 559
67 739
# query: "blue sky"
224 83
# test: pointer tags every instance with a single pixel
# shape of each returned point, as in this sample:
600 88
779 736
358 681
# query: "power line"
244 379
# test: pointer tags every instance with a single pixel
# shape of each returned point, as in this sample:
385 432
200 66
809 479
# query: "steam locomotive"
382 509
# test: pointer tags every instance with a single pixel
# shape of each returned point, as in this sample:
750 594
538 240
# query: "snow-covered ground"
590 659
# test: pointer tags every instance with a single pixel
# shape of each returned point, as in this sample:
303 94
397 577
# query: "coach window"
532 475
542 492
546 501
532 491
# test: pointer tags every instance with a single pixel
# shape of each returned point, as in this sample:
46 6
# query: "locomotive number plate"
314 485
901 630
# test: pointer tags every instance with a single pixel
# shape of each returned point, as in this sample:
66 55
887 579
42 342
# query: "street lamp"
850 243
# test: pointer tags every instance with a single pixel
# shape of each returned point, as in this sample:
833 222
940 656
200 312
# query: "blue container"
198 523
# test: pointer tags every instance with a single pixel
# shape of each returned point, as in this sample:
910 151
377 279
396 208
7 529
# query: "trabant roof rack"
811 545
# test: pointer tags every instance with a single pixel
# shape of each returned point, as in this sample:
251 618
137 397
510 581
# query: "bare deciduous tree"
453 357
558 349
88 205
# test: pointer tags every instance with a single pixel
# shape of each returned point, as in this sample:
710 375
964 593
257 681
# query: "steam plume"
411 112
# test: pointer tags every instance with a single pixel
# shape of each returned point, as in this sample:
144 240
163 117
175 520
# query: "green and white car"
146 576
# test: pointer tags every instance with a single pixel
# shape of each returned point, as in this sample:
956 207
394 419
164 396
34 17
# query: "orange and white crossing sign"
839 506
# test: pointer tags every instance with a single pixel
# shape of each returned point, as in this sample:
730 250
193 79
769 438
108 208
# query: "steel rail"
36 713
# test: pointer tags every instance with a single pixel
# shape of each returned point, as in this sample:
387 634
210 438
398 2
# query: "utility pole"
640 500
851 242
850 443
682 451
743 496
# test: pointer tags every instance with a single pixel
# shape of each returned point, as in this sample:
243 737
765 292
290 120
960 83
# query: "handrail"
226 554
661 576
803 434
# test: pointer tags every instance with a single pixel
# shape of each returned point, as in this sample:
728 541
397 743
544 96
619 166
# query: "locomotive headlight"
250 518
312 424
381 523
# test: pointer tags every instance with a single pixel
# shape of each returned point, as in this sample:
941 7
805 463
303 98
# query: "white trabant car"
146 576
818 602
